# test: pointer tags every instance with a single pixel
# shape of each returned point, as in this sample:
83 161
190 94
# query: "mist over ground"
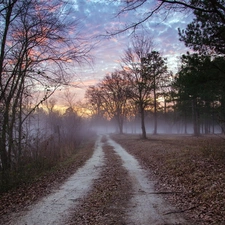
163 127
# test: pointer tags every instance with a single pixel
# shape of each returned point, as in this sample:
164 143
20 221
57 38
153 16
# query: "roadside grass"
31 169
38 182
192 168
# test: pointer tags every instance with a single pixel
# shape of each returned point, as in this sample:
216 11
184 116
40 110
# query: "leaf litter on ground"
107 202
190 171
21 197
191 168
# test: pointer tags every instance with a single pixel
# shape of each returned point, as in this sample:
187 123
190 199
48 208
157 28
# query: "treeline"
191 100
38 39
199 92
194 95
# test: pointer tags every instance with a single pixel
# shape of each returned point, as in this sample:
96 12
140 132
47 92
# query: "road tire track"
145 207
111 188
110 196
54 209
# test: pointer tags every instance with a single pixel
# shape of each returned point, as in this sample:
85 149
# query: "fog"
163 127
46 138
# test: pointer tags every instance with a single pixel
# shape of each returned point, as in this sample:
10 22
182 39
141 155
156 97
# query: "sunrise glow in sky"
96 17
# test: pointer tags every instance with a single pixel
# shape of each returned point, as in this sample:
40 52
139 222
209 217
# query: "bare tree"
110 97
93 95
140 82
115 97
145 69
154 66
69 98
149 8
35 45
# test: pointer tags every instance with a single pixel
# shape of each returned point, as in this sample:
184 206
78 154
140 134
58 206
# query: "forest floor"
184 171
191 169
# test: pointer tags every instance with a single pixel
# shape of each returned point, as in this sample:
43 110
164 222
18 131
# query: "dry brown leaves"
191 168
27 194
107 202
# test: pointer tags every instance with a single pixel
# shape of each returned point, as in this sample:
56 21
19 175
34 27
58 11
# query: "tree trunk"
195 116
143 123
155 109
121 128
5 163
185 122
155 122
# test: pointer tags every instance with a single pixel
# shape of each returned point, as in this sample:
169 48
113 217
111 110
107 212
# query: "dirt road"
145 206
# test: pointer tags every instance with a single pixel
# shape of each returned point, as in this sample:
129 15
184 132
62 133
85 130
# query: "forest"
141 96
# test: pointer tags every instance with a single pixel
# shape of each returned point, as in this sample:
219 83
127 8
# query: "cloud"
98 16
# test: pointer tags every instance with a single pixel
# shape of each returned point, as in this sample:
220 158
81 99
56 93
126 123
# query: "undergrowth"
31 170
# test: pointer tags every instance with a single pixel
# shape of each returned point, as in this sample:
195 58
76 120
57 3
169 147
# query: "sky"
96 17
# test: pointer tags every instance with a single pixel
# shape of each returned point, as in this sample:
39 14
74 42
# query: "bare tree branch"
166 6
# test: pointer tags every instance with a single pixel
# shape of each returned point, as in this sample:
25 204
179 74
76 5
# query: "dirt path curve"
147 206
53 209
